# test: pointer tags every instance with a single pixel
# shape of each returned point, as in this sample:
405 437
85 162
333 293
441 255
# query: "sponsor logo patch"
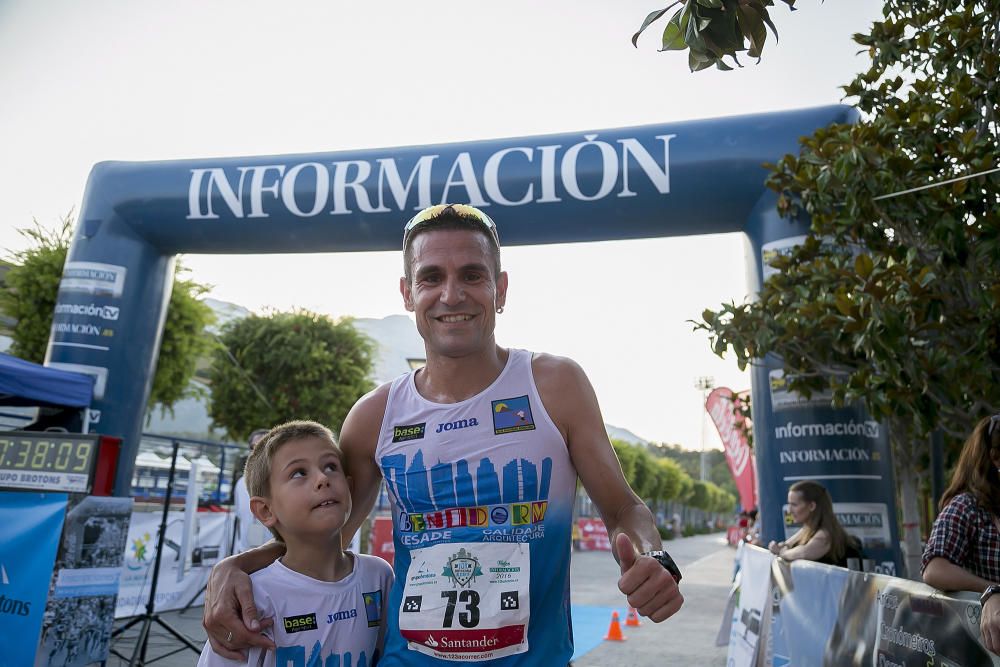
342 615
457 424
511 415
462 568
412 603
299 623
481 516
408 432
373 607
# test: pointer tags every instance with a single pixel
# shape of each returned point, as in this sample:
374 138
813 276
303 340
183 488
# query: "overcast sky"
82 82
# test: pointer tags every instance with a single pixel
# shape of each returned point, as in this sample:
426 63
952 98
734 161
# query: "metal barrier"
215 462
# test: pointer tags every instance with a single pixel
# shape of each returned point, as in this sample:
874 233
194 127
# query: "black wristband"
664 559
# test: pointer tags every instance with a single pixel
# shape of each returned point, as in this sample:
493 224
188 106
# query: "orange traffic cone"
632 618
615 629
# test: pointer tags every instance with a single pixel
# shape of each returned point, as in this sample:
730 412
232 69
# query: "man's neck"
454 379
323 560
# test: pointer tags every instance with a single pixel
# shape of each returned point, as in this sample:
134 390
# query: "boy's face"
310 496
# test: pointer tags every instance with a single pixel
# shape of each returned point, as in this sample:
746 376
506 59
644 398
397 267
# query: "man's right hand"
230 616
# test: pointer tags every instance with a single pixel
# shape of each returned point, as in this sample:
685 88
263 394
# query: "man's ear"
261 509
404 289
502 289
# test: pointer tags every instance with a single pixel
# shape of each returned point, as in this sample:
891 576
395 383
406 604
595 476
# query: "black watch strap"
664 559
990 591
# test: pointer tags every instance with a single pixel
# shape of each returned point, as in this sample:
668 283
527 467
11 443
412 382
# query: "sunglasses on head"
994 420
429 215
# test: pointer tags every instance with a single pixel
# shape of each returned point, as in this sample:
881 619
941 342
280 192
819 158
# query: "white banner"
749 615
177 586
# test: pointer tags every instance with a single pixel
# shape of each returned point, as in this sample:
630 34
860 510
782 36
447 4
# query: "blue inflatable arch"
699 177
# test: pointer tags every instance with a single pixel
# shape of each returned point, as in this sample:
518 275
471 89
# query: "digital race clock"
47 461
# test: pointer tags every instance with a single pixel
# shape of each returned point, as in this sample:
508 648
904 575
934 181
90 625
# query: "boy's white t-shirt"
314 620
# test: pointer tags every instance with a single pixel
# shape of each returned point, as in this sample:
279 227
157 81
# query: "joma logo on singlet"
455 425
408 432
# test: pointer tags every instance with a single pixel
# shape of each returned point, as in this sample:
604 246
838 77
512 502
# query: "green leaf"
673 34
652 16
863 265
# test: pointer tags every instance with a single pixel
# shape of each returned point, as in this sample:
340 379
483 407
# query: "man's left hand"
650 589
990 624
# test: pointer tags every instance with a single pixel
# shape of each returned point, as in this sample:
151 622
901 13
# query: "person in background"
821 538
250 532
963 550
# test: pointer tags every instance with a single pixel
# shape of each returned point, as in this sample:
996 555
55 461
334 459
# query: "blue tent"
26 384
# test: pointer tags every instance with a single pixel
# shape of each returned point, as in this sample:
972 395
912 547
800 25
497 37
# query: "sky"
83 82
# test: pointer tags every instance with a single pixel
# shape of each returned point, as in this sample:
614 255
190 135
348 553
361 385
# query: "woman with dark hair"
963 551
821 537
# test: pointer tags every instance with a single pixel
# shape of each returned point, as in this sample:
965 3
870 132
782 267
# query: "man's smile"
452 319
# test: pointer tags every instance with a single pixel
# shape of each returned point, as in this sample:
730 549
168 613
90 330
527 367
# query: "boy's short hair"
258 467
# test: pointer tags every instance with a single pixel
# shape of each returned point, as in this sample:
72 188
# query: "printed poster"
179 584
30 527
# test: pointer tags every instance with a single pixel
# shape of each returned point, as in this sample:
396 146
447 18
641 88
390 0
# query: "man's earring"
499 310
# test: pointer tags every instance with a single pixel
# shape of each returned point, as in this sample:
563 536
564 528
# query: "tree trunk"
907 474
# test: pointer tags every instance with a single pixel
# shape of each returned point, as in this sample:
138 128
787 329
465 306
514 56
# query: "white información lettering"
388 174
866 429
539 174
321 191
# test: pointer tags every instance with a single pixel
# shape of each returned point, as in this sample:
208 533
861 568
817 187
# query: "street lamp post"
705 384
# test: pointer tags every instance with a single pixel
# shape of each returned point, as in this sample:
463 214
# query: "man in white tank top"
480 451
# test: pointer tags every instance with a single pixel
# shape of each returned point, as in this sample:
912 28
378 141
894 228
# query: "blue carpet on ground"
590 624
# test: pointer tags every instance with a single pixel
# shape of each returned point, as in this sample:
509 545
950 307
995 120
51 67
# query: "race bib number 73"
467 601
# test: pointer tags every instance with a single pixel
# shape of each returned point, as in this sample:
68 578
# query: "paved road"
686 639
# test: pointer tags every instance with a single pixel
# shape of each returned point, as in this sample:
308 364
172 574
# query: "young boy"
327 604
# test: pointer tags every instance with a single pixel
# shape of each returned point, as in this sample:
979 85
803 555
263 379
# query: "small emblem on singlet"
462 568
408 432
373 607
511 415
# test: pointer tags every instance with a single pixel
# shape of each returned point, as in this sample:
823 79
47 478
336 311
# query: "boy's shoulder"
373 566
367 561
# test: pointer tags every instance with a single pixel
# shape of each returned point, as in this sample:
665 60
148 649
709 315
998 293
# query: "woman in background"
821 537
963 551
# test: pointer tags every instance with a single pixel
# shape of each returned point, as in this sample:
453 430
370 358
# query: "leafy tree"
653 478
183 344
31 286
284 366
30 290
895 299
670 479
644 478
712 29
627 454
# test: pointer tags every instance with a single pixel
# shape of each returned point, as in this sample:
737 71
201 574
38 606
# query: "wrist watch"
988 593
664 559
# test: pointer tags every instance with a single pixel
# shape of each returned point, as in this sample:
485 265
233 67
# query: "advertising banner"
723 406
824 615
80 612
593 535
179 583
30 527
752 607
804 437
381 539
